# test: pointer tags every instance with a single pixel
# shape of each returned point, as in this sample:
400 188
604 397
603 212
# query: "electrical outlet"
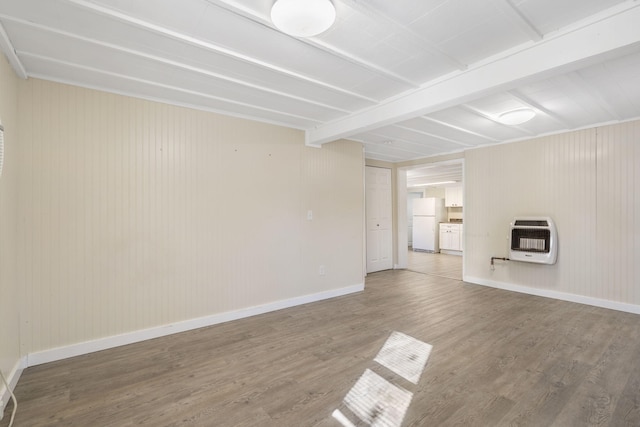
309 215
322 271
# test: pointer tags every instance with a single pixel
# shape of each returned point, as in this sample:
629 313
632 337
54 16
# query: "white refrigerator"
427 215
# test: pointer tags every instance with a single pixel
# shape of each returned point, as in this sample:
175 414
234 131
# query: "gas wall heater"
534 239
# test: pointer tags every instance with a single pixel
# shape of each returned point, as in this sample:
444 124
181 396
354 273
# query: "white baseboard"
12 379
450 252
596 302
73 350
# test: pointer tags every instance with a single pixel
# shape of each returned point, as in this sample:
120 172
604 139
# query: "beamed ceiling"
407 78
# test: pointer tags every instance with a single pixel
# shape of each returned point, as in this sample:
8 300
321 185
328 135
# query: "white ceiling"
407 78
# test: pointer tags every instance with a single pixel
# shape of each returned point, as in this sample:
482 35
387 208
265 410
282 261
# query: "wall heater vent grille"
534 239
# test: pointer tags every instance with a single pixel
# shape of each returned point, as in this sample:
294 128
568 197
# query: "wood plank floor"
443 265
498 359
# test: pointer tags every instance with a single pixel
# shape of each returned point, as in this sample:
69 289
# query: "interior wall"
137 214
588 182
438 192
9 287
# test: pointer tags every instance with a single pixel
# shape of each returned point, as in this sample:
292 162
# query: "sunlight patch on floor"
376 401
404 355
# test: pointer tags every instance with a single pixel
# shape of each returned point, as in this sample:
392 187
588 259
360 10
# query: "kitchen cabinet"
450 237
453 197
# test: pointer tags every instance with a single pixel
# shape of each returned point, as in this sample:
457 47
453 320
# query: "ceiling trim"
10 52
212 47
606 35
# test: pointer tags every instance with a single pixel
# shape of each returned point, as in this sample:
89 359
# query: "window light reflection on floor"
405 356
376 401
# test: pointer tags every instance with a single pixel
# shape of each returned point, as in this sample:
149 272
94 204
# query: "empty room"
319 213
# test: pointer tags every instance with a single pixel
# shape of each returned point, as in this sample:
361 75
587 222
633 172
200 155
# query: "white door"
378 213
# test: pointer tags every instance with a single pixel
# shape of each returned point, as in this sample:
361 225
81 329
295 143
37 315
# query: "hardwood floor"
498 359
436 264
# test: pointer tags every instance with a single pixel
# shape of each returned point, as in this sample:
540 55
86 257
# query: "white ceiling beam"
243 11
10 53
148 26
603 36
368 10
177 64
152 83
360 62
511 12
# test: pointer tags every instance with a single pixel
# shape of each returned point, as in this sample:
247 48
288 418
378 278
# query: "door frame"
402 261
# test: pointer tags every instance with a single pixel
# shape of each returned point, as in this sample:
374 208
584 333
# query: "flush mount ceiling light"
303 18
516 117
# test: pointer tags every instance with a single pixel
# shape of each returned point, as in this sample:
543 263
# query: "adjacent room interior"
410 213
442 251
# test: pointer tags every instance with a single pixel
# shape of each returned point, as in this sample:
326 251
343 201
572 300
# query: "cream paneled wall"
138 214
589 183
618 211
9 274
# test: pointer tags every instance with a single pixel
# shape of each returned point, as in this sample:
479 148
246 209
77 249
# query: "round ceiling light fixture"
303 18
516 117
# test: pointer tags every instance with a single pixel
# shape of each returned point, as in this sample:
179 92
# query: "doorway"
431 180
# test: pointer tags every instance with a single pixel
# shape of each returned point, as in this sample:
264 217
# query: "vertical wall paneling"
588 183
138 214
618 211
9 194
